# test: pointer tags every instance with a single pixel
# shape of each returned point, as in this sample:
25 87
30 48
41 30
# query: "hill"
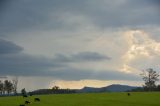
110 88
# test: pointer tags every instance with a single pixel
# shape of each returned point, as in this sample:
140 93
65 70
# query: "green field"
90 99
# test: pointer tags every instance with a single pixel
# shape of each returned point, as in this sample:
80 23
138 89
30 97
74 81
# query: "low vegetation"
90 99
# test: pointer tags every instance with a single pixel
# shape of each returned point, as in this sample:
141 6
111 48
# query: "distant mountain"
90 89
110 88
120 88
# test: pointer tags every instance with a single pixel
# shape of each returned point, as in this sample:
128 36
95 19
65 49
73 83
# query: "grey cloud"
130 14
23 64
78 74
115 75
143 3
81 57
40 14
91 56
14 62
3 4
26 65
37 14
20 64
7 47
21 15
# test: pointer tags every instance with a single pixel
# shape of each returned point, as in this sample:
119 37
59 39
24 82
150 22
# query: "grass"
90 99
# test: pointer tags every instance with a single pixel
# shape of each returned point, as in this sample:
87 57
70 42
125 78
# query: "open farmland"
90 99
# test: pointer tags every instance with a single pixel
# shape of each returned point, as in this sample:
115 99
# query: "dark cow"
27 102
128 94
30 94
21 105
25 96
36 99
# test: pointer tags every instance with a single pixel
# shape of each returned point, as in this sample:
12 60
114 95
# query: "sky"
77 43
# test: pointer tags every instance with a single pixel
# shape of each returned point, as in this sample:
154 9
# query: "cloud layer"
81 57
7 47
76 40
66 15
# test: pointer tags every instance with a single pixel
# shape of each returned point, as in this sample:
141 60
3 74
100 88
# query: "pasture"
88 99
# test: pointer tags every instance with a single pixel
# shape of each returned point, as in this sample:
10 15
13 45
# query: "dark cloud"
21 15
26 65
37 14
143 3
81 57
3 4
14 62
23 64
7 47
20 64
40 14
126 14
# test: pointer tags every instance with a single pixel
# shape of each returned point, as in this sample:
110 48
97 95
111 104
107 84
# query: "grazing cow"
25 96
27 102
36 99
128 94
21 105
30 94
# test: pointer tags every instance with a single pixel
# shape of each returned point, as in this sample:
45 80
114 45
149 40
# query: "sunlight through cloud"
140 45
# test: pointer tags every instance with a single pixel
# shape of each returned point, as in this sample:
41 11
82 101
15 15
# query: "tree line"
54 90
8 86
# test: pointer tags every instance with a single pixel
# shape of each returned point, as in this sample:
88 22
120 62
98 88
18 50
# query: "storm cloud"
71 15
79 39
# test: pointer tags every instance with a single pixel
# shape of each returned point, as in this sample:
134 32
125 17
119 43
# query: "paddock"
88 99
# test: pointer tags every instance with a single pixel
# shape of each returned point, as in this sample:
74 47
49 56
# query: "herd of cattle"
26 102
